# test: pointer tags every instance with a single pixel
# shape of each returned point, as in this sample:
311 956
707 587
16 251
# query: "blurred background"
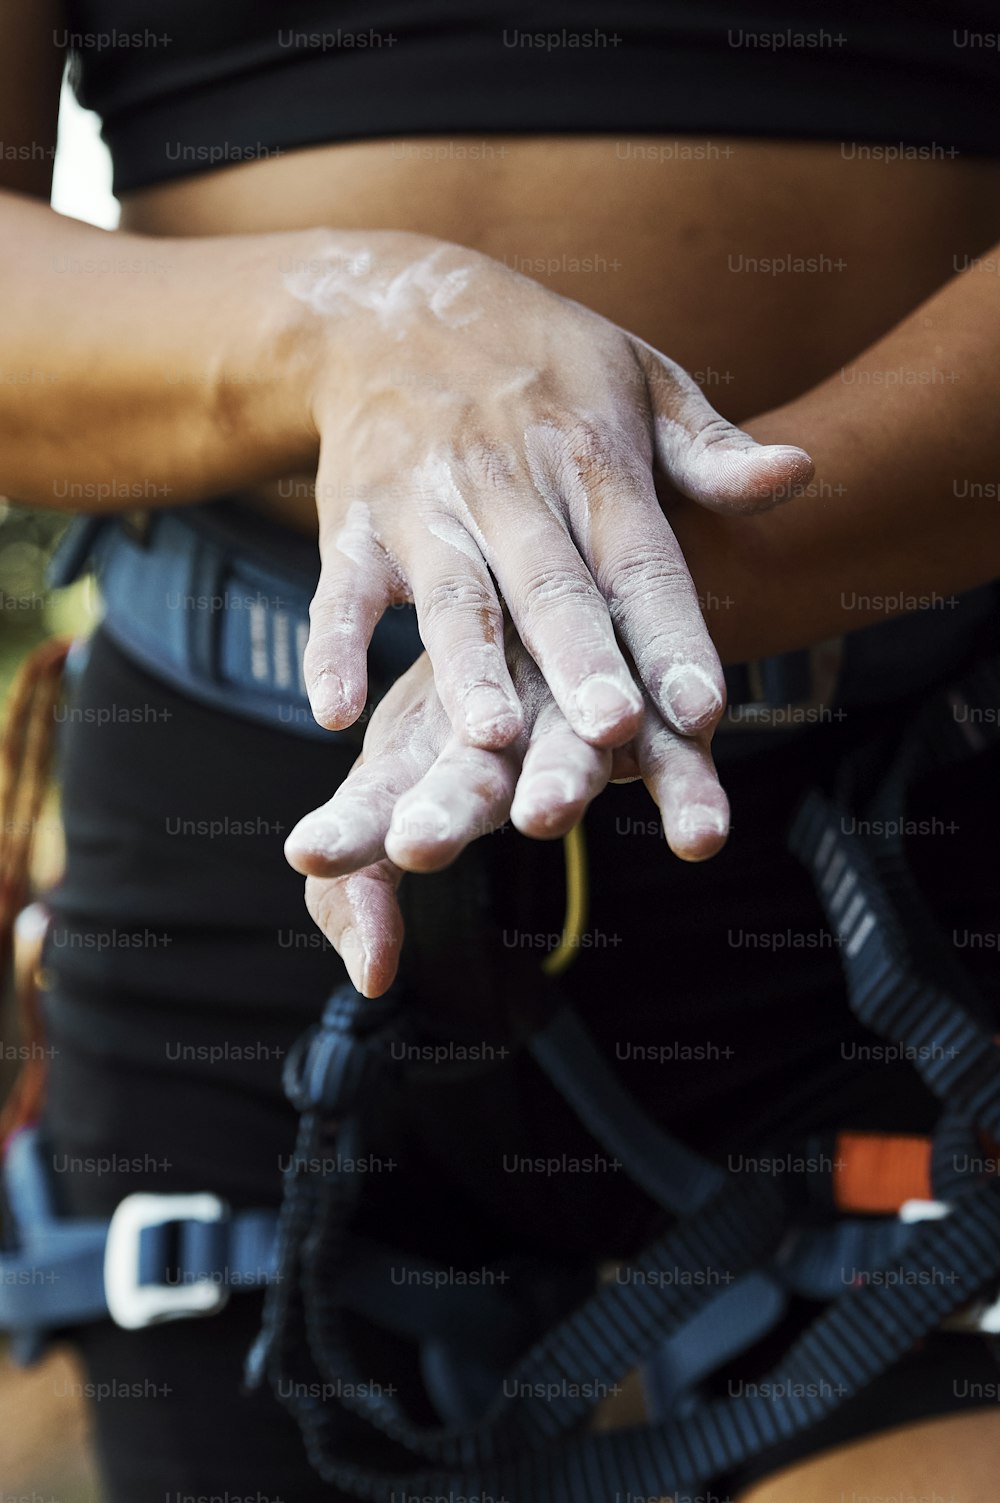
81 188
44 1457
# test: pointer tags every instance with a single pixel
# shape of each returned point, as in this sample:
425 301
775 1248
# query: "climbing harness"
511 1368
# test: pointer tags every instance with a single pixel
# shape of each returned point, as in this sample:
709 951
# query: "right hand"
478 434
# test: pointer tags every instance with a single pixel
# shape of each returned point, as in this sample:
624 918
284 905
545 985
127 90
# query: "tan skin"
661 234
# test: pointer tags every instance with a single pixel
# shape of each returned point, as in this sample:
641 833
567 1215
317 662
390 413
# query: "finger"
467 793
357 582
680 775
461 625
401 742
560 777
707 458
640 570
359 914
348 832
560 614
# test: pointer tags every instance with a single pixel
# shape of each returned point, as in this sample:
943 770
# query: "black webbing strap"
525 1446
950 728
953 1052
863 1334
672 1174
550 1391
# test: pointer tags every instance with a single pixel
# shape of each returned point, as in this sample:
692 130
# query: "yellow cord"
575 852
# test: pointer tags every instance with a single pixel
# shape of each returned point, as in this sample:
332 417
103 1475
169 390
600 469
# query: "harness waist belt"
211 611
215 600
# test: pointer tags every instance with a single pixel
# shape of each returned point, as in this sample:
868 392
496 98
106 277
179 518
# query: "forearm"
166 370
905 499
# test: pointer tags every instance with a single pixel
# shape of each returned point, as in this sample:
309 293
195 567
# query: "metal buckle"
981 1315
759 714
132 1305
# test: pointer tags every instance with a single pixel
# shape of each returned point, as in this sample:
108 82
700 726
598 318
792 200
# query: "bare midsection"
759 266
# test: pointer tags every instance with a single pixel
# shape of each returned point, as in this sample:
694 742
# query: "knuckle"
489 464
323 612
632 572
335 608
595 453
714 431
462 594
551 587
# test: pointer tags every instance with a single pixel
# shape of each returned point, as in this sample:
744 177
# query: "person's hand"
417 796
482 437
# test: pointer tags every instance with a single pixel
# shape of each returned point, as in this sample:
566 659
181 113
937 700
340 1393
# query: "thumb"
708 459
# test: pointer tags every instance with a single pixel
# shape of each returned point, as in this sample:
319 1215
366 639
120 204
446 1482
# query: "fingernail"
490 717
325 841
701 819
789 454
420 822
602 703
691 695
696 823
328 698
355 957
544 797
794 466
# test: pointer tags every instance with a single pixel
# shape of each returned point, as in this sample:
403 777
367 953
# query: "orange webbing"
25 760
877 1172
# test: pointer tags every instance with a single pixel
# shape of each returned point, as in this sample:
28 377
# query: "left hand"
417 796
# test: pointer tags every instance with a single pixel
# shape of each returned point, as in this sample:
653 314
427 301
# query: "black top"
184 86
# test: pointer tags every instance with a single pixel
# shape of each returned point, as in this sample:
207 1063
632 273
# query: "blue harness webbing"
218 606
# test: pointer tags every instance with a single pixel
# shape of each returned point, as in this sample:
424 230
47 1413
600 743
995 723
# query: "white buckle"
132 1305
982 1315
923 1210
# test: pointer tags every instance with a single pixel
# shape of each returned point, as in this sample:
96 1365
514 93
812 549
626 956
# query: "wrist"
280 369
268 351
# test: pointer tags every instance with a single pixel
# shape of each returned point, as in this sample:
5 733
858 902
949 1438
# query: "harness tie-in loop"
339 1062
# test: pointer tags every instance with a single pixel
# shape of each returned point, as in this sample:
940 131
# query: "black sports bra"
184 86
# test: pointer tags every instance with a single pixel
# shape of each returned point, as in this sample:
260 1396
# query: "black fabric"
168 1052
184 87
